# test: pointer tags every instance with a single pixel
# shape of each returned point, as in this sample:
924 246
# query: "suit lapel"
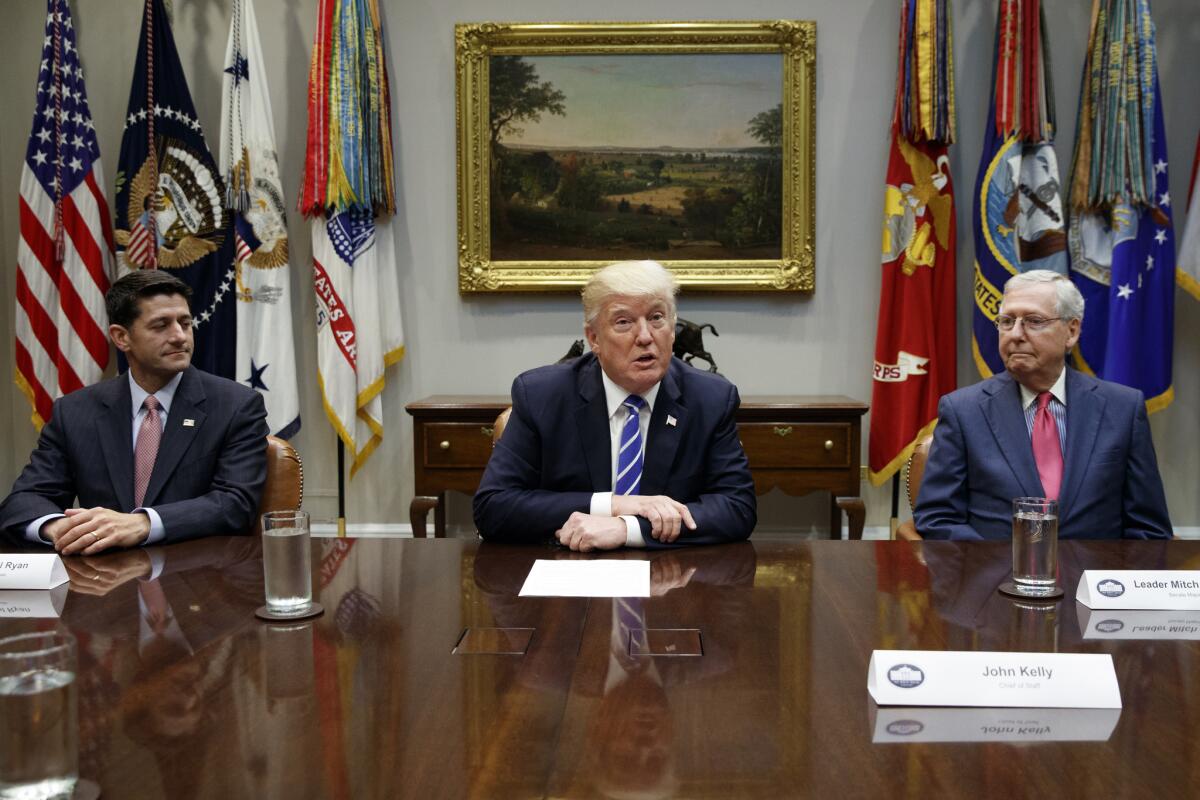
592 418
662 440
187 406
1085 408
1002 409
114 431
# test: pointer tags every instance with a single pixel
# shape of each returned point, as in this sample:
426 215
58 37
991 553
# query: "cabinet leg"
418 511
856 514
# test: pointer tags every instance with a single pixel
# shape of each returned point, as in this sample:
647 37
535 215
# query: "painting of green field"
607 157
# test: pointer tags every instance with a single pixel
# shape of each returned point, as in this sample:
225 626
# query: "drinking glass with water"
39 727
1035 545
287 562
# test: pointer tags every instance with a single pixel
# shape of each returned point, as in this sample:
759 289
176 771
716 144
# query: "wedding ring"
95 538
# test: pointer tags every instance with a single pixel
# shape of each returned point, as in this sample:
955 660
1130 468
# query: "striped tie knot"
629 451
151 403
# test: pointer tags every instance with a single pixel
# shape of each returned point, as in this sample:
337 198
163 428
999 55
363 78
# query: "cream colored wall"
822 343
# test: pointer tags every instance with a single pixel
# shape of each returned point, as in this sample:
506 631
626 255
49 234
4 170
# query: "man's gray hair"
1070 301
629 279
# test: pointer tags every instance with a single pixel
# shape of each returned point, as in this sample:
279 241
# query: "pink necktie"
1047 451
146 449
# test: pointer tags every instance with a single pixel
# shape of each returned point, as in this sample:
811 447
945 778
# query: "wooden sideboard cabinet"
798 443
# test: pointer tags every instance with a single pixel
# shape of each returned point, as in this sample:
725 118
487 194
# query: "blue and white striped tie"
629 455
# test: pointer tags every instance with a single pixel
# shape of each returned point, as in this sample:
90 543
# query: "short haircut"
1070 301
121 299
629 279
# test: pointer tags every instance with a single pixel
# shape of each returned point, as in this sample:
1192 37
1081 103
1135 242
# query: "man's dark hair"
121 299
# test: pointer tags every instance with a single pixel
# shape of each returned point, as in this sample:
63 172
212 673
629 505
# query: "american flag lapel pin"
670 421
189 423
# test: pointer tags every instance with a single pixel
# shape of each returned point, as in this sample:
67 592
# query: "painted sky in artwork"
687 101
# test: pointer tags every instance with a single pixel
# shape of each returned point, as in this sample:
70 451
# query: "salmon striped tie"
146 449
1047 450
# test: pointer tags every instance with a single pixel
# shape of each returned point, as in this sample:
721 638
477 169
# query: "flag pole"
341 524
894 522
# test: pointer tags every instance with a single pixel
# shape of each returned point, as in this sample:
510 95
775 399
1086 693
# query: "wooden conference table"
372 700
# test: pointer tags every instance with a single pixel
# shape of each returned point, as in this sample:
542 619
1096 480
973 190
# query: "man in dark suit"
625 446
1042 429
163 453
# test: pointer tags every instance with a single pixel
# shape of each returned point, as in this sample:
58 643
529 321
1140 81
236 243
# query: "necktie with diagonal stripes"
145 451
629 453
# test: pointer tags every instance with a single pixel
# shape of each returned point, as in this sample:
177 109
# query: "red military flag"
65 255
915 340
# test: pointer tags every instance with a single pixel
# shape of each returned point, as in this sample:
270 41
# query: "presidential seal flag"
1187 272
64 257
1121 237
347 191
915 340
1019 222
170 199
266 357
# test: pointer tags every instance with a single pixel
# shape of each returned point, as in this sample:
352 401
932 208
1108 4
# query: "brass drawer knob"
488 431
445 445
783 431
829 444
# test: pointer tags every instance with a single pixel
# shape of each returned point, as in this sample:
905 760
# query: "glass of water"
287 562
39 726
1035 546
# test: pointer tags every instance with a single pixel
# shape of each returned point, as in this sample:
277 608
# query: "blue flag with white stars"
1124 264
170 199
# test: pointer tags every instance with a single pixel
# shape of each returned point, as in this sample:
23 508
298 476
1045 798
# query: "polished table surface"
378 698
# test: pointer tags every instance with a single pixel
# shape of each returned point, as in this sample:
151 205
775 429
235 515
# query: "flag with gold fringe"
1121 236
1019 222
915 340
1187 273
348 194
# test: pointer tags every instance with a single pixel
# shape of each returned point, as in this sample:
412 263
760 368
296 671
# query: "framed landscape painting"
691 143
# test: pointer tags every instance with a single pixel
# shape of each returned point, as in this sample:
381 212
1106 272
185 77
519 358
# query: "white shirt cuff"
633 531
601 504
157 531
33 531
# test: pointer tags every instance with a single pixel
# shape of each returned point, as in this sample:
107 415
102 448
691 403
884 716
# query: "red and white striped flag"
1187 268
65 256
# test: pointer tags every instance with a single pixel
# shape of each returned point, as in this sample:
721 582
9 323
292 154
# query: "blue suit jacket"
208 476
555 453
982 458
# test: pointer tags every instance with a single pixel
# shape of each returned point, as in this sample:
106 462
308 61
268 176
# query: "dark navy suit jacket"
982 458
208 476
555 453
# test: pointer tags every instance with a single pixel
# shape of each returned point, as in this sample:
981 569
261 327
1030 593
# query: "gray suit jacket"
982 458
208 476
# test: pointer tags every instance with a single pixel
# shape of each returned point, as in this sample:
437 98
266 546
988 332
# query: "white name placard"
993 680
898 725
1140 588
1105 623
43 603
31 571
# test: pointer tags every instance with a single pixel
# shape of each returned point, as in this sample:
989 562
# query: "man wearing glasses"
1042 429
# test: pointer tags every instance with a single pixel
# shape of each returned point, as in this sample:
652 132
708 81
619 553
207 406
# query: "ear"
120 337
1073 328
592 340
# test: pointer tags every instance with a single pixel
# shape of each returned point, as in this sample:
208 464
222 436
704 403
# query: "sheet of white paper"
592 578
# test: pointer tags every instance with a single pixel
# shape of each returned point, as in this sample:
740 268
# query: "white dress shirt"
614 397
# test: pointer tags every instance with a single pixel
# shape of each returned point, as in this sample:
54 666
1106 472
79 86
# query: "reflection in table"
755 686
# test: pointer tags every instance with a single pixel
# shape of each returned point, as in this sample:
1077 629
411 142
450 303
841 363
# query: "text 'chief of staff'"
164 452
626 445
1042 429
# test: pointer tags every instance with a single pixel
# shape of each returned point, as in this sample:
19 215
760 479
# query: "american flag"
65 256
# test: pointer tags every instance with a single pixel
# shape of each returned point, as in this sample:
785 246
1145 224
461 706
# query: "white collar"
164 395
1058 390
614 395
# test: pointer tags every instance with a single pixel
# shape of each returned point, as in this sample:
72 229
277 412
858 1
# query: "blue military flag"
170 199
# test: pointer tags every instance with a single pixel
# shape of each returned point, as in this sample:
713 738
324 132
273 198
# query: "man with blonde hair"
626 445
1042 429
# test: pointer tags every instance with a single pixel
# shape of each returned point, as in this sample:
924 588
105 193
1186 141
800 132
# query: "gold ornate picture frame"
545 198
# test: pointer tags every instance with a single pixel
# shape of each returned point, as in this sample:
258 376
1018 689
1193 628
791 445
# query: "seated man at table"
1042 429
626 445
163 453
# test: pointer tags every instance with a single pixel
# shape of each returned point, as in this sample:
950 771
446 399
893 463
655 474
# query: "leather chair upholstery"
912 482
284 487
501 421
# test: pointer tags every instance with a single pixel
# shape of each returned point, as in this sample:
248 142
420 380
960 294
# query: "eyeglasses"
1006 323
